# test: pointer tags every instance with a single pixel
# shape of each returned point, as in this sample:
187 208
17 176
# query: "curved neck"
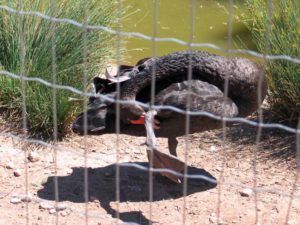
242 74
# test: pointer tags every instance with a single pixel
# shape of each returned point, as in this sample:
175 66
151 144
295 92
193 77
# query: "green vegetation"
37 39
283 38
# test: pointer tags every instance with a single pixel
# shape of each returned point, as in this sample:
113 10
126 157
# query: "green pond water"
174 19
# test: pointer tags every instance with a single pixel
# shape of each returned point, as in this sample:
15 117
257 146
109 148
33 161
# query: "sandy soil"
274 178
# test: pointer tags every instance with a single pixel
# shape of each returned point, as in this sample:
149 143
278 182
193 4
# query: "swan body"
247 89
243 77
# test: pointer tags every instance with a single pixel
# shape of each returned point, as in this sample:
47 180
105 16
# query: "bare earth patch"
275 179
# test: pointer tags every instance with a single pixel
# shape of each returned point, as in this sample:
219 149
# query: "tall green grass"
283 38
37 36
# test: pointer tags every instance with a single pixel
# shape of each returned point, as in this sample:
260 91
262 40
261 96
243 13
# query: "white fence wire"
119 33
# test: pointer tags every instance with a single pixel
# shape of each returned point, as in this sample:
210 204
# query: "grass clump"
37 39
283 36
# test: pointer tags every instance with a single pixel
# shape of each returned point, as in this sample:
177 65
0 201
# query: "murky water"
174 20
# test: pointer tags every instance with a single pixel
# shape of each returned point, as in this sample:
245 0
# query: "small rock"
15 200
34 184
213 148
292 222
63 213
177 208
52 211
33 157
10 165
44 181
61 207
275 209
219 168
17 173
69 171
260 207
246 192
231 164
213 218
45 205
26 198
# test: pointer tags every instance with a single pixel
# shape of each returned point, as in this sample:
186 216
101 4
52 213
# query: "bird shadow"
274 143
133 187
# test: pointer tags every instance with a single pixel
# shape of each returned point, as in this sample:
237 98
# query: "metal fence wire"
154 39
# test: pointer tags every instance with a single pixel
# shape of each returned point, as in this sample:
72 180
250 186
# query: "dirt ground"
275 180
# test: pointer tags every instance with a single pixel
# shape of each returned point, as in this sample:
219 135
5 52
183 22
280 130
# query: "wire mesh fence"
56 147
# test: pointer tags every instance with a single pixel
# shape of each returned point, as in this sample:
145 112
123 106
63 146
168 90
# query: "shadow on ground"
274 143
134 187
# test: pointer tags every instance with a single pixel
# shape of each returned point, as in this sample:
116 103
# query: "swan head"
100 102
93 119
98 107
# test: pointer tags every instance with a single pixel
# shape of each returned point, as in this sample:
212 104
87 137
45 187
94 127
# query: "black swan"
209 73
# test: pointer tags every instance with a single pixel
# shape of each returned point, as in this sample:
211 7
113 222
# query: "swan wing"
201 96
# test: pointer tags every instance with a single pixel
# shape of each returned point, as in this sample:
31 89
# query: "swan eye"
141 67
